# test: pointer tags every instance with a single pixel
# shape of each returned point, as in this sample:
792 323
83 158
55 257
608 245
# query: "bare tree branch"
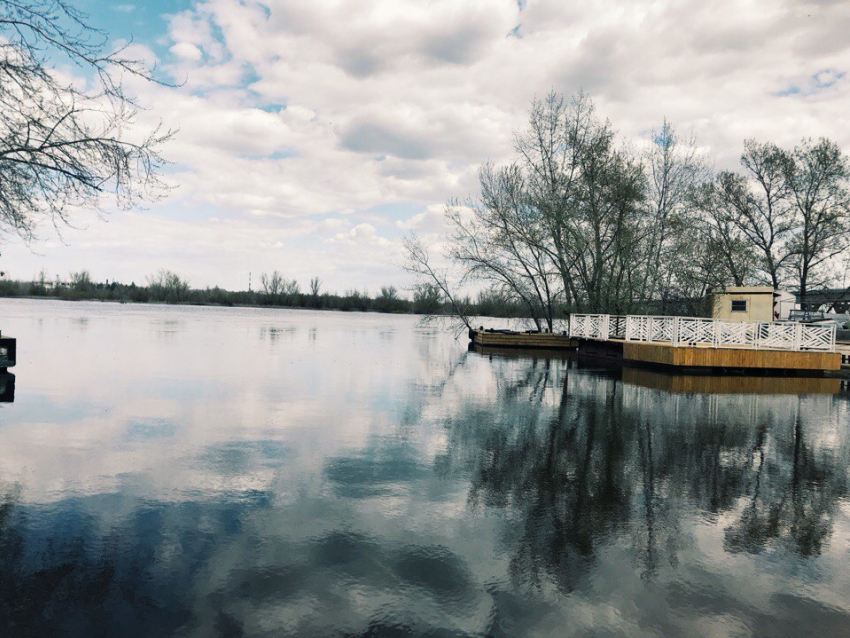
62 147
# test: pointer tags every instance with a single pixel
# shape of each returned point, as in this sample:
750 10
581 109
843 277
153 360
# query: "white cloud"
430 222
359 236
186 51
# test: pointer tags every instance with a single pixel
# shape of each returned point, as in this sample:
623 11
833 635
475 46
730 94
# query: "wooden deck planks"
687 357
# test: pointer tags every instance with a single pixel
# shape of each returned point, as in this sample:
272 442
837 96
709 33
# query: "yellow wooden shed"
752 303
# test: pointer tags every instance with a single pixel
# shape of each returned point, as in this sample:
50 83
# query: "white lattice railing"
617 327
697 331
802 336
647 328
819 338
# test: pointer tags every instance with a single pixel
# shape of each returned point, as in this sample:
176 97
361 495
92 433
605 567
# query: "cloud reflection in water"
341 483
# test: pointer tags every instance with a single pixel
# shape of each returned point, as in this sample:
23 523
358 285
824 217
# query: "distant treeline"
168 287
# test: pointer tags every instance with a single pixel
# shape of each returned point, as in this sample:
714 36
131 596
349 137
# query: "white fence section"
617 327
590 326
695 331
645 328
705 331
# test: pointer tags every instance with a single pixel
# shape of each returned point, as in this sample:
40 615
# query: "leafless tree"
315 286
290 287
757 204
579 222
427 298
587 193
785 219
730 256
497 239
818 178
168 286
674 169
62 146
418 262
568 226
81 281
272 284
276 285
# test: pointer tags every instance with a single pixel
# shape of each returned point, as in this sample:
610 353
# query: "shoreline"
203 304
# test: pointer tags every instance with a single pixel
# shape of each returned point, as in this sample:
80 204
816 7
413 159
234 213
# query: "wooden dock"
698 358
527 340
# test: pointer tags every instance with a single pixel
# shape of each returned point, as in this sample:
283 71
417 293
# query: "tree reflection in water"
579 460
592 478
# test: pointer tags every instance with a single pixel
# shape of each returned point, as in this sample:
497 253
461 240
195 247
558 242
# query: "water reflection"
274 333
7 387
601 456
734 384
379 480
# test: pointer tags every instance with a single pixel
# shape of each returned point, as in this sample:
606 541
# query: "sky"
312 136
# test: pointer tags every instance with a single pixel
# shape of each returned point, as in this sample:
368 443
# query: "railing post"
675 340
798 337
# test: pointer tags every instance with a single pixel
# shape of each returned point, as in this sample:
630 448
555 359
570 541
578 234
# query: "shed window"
739 305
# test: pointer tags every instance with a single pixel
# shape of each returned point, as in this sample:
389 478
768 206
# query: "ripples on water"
225 472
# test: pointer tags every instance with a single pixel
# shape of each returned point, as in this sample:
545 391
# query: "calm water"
226 472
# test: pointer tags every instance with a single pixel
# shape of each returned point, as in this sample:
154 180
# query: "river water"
189 471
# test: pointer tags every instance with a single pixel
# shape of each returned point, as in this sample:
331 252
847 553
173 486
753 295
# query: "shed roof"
745 290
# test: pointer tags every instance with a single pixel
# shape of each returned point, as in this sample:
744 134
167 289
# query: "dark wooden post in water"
8 352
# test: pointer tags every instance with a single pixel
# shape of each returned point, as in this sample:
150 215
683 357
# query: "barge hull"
534 340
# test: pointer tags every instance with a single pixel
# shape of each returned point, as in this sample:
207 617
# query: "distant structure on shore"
752 303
